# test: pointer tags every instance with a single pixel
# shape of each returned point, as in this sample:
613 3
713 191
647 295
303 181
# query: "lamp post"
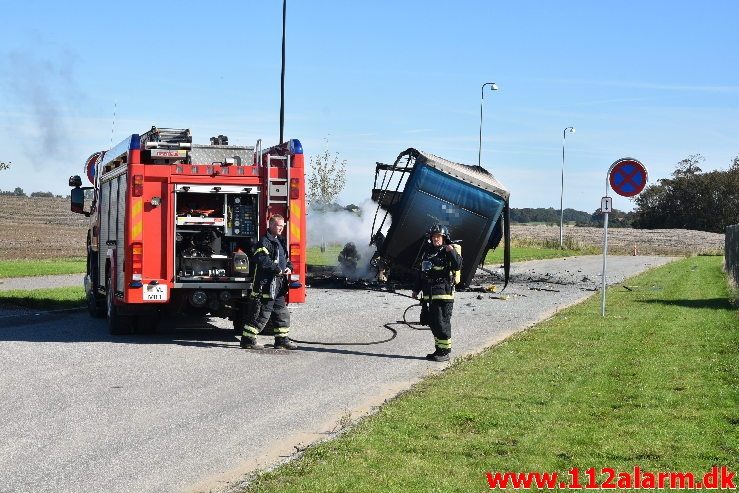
493 87
562 193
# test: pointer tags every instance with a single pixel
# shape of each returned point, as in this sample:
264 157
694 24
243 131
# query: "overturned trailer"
430 190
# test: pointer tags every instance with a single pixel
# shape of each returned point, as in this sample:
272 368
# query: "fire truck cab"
173 225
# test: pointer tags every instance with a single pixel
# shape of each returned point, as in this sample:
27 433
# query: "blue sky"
656 81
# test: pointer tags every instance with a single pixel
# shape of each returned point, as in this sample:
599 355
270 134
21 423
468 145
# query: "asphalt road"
188 410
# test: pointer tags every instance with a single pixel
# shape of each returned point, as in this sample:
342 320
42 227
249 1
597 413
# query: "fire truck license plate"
155 292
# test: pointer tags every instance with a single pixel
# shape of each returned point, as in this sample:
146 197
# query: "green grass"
26 268
655 384
44 299
519 252
329 257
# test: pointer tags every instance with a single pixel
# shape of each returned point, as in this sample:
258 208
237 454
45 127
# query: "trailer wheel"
117 324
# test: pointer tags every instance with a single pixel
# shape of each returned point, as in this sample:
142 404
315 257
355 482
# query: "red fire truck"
173 225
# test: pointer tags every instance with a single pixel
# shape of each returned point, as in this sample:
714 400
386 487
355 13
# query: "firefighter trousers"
259 311
440 320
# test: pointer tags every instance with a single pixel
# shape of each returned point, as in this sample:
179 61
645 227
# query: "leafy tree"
699 201
4 165
18 192
326 179
688 166
42 194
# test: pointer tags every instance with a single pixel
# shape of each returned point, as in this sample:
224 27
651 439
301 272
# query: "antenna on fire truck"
282 76
112 127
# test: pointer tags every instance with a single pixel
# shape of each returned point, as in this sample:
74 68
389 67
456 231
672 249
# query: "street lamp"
562 193
493 87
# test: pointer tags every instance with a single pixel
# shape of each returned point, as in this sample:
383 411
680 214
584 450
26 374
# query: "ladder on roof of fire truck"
167 138
278 187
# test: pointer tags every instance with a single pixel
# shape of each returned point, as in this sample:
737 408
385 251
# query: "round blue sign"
627 177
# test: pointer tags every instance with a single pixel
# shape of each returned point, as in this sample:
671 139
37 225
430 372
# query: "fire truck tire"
117 324
95 302
146 324
95 305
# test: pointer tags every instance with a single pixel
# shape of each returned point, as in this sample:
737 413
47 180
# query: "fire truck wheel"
117 324
95 305
146 324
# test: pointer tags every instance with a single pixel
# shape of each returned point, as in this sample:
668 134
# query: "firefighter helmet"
439 229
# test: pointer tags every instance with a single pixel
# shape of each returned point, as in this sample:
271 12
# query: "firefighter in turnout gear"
439 260
271 279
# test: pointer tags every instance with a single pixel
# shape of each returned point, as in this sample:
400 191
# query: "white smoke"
343 226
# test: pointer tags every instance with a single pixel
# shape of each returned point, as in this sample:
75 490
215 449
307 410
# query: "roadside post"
627 177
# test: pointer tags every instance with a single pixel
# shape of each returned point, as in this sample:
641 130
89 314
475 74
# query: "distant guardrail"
731 253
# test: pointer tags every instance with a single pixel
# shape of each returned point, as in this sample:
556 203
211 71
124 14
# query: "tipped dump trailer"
430 190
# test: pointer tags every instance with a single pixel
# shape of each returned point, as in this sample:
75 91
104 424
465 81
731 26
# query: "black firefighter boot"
250 343
439 355
284 343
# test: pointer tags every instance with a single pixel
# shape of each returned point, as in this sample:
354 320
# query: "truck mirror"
75 181
77 197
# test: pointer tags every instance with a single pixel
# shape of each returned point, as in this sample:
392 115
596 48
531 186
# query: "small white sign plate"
155 292
606 205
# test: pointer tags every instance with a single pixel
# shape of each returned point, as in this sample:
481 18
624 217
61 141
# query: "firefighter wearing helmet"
439 260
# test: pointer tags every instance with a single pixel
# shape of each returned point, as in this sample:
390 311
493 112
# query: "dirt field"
623 241
44 228
40 228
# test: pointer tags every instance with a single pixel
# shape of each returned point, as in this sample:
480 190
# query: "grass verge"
655 383
28 268
44 299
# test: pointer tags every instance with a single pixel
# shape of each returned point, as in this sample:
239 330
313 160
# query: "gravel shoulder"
187 410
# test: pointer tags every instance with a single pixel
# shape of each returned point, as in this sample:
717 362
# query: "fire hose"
386 326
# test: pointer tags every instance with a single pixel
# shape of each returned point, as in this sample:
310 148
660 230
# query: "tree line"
691 199
617 218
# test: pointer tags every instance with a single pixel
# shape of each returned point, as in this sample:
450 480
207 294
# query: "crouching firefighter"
271 282
439 260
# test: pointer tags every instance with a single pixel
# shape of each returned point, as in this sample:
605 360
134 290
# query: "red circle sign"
627 177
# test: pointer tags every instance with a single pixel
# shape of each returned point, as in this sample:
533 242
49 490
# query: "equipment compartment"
214 229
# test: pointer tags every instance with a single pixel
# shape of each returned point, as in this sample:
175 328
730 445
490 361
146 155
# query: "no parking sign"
627 177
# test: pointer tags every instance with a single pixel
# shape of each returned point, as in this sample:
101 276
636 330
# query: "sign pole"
627 177
605 249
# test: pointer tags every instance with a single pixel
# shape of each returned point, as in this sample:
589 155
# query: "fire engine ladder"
278 188
167 138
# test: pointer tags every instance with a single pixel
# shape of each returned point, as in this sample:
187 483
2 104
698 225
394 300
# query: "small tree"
688 166
327 178
4 165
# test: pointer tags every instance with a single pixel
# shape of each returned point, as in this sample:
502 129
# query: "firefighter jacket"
270 259
436 277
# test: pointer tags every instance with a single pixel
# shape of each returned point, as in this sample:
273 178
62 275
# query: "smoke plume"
41 86
341 227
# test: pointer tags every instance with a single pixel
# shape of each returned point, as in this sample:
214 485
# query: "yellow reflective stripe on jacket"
438 267
261 250
443 343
